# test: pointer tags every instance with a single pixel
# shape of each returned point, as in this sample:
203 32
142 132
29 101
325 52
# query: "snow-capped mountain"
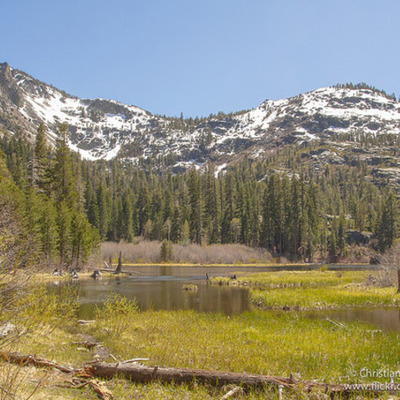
104 129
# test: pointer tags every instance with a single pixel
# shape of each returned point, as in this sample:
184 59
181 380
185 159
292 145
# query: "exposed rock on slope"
104 129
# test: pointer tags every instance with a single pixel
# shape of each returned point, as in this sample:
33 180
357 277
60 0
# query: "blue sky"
201 57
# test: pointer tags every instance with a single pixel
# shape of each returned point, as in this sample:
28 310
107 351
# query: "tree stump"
119 267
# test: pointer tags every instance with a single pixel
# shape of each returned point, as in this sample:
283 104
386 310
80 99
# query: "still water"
161 287
385 319
163 293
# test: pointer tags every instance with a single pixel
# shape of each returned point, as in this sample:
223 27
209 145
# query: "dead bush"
389 263
149 252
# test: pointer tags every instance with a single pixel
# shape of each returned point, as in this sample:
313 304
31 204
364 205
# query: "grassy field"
262 341
313 290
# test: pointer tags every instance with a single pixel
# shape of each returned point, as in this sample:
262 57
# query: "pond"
161 288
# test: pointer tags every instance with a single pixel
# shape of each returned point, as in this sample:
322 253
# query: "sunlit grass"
297 278
324 297
261 342
156 391
313 290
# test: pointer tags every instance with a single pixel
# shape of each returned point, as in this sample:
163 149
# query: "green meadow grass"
260 342
313 290
296 278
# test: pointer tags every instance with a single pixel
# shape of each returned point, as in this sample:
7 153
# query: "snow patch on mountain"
105 129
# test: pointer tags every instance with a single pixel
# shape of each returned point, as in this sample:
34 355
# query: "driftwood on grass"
21 359
338 324
76 382
145 374
86 321
236 390
99 387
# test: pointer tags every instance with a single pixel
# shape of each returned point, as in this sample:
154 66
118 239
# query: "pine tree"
228 207
48 232
127 217
196 209
166 251
84 239
211 211
143 207
185 233
64 180
388 221
341 239
103 210
64 230
41 162
92 209
332 241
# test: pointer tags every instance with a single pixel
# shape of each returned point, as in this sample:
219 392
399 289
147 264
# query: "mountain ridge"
105 129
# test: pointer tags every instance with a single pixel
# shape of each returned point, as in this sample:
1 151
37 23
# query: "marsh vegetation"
283 342
320 290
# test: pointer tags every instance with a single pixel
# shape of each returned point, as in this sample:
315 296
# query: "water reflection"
162 292
160 287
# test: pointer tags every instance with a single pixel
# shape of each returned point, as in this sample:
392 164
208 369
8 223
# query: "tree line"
71 204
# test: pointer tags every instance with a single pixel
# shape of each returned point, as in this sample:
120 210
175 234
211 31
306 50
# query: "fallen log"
119 272
21 359
86 321
145 374
99 387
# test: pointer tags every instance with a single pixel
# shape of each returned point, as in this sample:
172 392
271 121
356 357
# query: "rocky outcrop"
358 238
8 87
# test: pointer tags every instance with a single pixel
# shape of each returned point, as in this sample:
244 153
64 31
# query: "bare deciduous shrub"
389 263
143 251
149 252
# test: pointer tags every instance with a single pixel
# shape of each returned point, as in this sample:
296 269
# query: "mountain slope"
104 129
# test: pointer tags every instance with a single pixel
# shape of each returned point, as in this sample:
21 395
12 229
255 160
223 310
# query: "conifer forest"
66 206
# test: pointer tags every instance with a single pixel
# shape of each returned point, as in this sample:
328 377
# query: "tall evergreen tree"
387 229
41 162
196 207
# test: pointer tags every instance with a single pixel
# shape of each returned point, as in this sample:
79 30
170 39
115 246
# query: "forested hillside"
65 206
43 218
